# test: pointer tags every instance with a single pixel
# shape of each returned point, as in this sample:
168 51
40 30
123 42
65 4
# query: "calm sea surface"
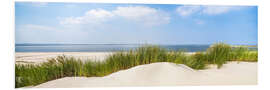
97 47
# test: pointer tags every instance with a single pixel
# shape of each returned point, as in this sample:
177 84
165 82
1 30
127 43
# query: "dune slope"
165 74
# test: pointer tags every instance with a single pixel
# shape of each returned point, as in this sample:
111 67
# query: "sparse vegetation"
62 66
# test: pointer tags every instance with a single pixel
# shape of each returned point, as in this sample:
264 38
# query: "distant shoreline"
39 57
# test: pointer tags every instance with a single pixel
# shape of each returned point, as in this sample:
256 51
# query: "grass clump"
218 54
197 61
62 66
243 54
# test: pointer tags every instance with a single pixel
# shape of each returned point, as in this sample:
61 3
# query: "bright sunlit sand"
39 57
168 74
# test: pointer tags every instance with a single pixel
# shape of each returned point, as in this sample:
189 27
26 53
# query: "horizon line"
116 44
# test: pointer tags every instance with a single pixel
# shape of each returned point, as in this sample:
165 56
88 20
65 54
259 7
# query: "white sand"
38 57
165 74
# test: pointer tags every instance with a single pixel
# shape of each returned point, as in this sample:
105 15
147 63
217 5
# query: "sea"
100 47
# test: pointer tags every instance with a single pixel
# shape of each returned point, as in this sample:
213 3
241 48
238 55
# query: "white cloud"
187 10
37 27
134 12
208 10
99 13
214 10
140 14
93 16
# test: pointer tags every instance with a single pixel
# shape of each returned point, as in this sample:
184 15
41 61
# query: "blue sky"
87 23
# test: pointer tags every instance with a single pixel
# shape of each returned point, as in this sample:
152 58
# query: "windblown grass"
62 66
218 54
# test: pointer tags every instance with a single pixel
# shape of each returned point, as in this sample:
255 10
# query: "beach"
39 57
133 45
155 74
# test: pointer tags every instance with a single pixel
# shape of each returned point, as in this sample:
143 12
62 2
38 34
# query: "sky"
105 23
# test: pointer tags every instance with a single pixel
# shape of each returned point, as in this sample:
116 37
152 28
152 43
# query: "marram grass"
62 66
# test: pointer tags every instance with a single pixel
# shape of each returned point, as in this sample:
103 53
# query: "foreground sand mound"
166 74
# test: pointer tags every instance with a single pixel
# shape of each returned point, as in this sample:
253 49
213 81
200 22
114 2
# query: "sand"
165 74
39 57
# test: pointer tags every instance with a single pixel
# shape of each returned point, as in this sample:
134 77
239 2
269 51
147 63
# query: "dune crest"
165 74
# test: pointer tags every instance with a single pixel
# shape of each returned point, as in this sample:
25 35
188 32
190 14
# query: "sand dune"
165 74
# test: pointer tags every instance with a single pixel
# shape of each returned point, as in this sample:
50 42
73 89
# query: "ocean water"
100 47
97 47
